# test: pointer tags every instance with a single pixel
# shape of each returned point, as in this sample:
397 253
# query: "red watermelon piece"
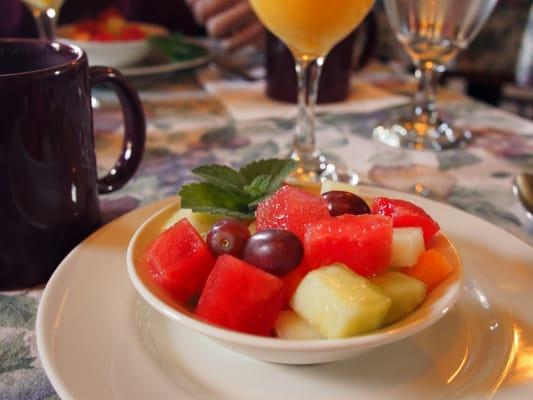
361 242
406 214
292 280
292 209
241 297
179 261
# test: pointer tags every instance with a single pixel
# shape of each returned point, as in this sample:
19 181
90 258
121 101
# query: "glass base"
313 171
420 135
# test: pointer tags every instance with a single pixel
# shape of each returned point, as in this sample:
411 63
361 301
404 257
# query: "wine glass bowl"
432 33
310 29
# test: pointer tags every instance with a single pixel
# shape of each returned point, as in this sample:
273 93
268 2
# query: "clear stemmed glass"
310 28
45 13
432 32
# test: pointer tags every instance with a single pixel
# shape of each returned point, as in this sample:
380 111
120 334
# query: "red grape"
227 236
275 251
340 202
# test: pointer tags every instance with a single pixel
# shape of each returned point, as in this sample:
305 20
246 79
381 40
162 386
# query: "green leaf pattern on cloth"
17 311
14 354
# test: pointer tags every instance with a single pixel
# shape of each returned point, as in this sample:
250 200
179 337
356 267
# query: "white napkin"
246 100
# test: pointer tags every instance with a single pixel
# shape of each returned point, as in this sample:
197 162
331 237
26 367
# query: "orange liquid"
44 4
310 28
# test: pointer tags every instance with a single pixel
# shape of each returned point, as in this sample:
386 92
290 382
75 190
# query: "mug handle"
370 26
134 129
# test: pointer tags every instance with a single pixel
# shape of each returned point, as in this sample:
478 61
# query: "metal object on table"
234 68
523 188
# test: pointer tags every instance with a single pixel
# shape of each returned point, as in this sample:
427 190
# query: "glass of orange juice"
310 28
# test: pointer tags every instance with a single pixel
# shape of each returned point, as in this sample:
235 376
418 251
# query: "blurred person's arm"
172 14
231 21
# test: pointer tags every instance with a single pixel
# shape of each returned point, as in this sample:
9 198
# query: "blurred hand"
232 21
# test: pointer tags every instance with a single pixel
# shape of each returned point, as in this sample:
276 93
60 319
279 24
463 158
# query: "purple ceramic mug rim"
56 69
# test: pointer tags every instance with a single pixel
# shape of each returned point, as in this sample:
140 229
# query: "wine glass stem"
425 108
304 145
46 21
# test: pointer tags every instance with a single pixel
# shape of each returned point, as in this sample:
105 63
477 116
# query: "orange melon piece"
432 268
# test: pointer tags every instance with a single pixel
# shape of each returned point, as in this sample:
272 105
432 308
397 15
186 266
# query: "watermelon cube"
241 297
292 209
179 261
406 214
361 242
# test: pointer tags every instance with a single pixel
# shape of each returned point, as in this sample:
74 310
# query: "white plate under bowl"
435 306
97 340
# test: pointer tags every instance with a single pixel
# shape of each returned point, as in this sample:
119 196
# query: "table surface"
189 125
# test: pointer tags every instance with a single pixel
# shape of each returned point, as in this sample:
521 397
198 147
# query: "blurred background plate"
156 63
158 53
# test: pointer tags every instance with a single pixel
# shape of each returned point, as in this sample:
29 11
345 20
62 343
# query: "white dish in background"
98 340
154 64
435 305
116 53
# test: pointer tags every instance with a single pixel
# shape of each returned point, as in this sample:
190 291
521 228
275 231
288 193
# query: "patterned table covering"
188 126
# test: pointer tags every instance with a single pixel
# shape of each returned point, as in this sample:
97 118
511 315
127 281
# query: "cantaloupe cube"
340 303
291 326
252 228
432 269
202 222
330 186
406 294
407 246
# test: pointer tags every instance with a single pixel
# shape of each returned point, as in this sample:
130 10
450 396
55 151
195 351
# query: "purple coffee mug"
48 183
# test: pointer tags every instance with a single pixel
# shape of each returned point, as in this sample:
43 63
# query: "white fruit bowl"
115 53
435 306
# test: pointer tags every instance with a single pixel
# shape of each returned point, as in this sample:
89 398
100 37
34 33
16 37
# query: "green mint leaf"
252 205
235 193
225 211
176 47
277 169
258 187
221 176
205 197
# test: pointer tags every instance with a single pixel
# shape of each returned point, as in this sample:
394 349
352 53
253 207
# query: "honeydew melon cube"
406 294
291 326
330 186
340 303
407 246
202 222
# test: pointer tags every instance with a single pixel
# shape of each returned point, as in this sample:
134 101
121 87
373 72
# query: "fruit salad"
271 259
110 25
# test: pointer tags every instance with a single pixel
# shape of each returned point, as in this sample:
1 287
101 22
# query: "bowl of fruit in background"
303 278
112 40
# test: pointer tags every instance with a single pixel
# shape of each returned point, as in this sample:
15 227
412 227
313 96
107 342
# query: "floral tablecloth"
188 126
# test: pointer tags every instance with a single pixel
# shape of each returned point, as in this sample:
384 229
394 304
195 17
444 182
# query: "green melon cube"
291 326
407 246
202 222
340 303
406 294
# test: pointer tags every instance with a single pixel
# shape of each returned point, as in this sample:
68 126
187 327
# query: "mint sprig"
234 193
